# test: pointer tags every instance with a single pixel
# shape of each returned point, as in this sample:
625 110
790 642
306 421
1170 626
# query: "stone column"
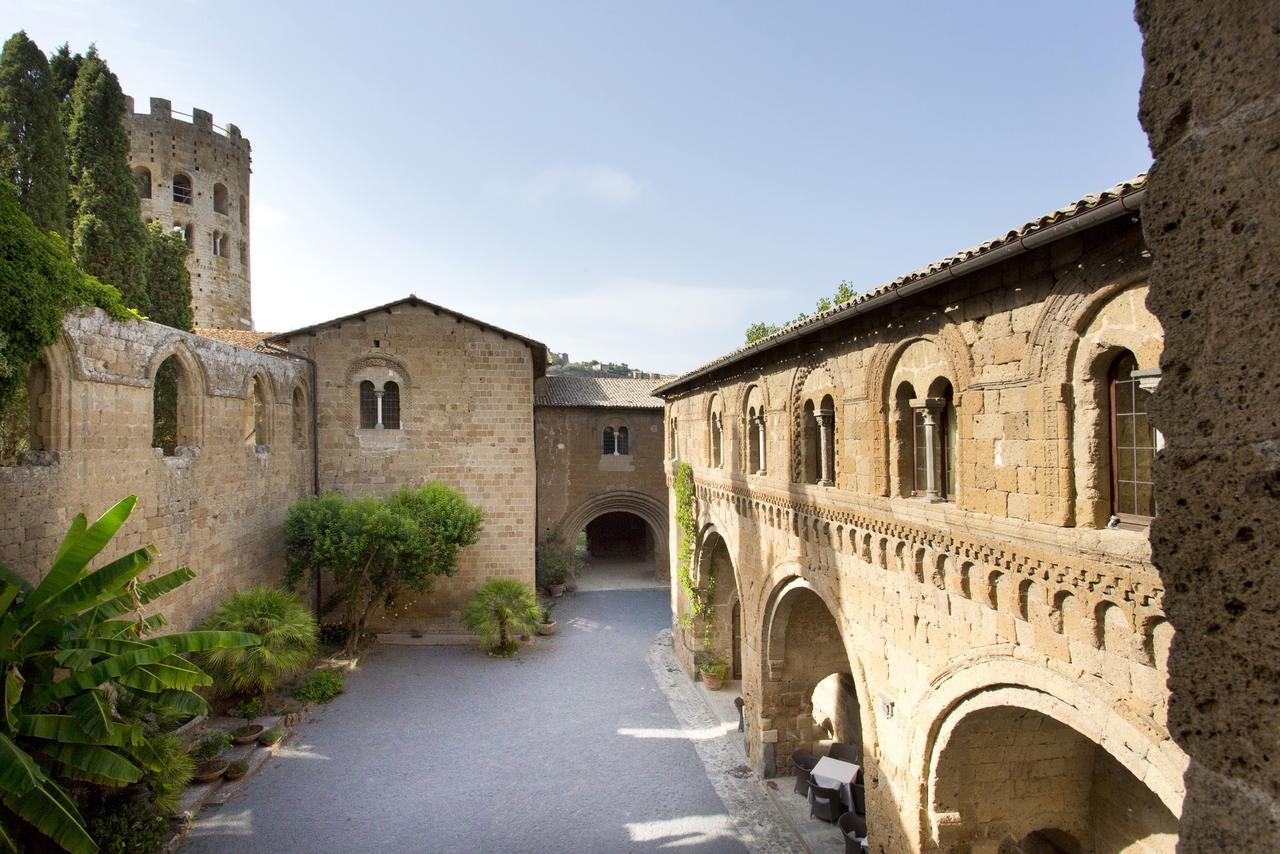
928 409
760 438
826 476
378 396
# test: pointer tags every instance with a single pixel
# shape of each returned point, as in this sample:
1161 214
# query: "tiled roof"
246 338
1074 209
601 392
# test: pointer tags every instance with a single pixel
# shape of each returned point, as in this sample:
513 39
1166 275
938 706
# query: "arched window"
827 441
755 441
221 244
221 204
1133 444
188 235
299 412
675 447
368 406
717 440
391 406
143 176
623 440
182 189
255 415
933 443
244 211
244 254
173 408
809 446
608 446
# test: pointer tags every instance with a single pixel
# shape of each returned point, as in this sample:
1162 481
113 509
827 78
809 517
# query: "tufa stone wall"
216 162
1211 109
217 505
466 418
578 483
1006 589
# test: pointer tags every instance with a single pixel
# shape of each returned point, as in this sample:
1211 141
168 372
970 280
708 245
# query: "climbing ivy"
701 597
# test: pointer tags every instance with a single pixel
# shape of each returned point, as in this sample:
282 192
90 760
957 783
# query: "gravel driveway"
571 746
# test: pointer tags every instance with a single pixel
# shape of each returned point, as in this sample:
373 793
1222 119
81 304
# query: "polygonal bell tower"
194 176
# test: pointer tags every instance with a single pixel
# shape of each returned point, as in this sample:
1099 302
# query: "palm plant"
68 647
288 632
501 610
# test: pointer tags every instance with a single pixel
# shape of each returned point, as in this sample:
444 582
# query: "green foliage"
501 610
843 293
32 147
270 736
64 68
334 634
167 277
68 646
212 745
286 628
558 562
247 709
169 770
377 550
713 665
238 768
164 407
129 826
321 687
108 238
38 285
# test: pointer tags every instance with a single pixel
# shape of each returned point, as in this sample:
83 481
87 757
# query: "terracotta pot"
209 770
230 775
556 590
246 734
713 683
548 629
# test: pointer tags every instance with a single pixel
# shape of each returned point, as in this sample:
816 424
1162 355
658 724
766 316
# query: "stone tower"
194 175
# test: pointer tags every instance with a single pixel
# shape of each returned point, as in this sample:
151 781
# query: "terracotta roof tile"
599 392
246 338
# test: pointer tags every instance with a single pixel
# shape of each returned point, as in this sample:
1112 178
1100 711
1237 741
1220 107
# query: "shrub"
499 611
377 550
270 736
288 633
248 709
321 687
168 771
557 562
128 826
70 645
238 768
212 745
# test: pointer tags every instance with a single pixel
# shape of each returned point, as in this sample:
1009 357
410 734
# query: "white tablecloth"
836 774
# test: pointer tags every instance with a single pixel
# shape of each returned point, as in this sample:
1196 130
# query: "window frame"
1133 520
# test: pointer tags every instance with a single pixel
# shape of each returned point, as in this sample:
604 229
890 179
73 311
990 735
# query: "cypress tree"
32 148
168 279
64 67
108 238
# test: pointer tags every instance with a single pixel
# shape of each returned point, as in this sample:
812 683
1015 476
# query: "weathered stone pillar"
378 397
1211 109
928 408
826 473
760 438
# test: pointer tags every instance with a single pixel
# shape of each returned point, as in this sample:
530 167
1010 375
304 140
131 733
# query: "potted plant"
271 736
248 733
547 626
558 564
208 753
500 612
713 669
236 770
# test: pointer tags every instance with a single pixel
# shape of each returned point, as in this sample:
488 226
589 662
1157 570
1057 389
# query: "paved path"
572 746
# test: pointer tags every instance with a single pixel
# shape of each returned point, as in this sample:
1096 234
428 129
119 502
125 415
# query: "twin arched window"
755 438
379 408
818 442
616 442
717 440
929 440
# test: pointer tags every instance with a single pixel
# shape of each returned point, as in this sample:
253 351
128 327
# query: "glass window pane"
1125 497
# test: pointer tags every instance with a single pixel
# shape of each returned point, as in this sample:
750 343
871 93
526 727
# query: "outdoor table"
836 774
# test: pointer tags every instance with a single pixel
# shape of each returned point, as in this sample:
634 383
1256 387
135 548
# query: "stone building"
925 512
410 392
193 175
600 452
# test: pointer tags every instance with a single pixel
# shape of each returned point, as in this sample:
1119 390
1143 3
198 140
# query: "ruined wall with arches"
213 482
989 620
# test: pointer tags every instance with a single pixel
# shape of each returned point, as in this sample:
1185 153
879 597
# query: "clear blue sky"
624 180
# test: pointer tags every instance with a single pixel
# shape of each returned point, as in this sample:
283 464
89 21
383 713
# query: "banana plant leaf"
49 810
146 591
171 674
19 773
65 728
106 766
98 587
80 546
8 576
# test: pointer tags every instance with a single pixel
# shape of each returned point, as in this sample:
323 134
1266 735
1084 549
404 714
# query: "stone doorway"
621 551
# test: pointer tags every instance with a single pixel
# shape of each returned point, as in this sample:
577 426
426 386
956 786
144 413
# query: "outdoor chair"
854 828
824 803
803 781
804 759
860 799
845 753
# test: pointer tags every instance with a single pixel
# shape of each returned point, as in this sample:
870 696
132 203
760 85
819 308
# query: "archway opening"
722 637
809 687
1038 786
620 550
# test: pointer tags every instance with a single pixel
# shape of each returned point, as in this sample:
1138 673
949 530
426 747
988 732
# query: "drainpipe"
315 438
